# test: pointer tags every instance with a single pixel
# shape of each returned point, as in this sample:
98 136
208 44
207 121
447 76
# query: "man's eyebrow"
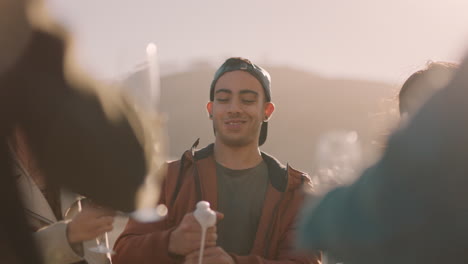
248 91
223 91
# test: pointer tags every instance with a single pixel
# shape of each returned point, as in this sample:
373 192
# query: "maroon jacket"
193 178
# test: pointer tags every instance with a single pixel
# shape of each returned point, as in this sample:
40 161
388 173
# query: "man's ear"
209 109
269 109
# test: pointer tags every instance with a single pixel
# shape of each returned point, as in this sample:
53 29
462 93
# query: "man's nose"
234 107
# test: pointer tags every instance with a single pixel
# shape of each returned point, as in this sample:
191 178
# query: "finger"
95 234
190 226
189 217
219 215
191 258
193 237
211 237
102 229
211 229
104 220
192 244
108 219
212 260
210 255
209 244
100 223
211 251
192 254
95 212
193 248
195 245
208 252
189 261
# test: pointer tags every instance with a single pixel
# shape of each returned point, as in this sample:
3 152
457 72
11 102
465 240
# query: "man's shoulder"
284 177
274 162
189 156
299 178
204 152
193 153
296 173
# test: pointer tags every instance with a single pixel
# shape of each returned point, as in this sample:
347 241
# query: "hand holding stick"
207 218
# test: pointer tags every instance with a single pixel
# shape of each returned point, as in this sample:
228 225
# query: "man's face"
238 109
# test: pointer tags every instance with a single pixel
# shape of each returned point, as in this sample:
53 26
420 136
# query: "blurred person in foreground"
258 197
416 90
63 224
410 207
75 144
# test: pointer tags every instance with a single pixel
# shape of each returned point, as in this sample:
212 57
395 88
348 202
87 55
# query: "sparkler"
153 139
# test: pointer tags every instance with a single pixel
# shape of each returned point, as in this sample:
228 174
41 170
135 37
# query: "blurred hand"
212 255
90 223
187 236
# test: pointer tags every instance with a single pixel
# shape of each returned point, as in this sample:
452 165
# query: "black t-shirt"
240 198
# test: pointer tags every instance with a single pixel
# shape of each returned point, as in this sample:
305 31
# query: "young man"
257 197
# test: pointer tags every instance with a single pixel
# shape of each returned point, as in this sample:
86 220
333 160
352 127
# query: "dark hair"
243 64
433 77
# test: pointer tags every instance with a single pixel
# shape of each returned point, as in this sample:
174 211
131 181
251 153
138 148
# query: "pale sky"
364 39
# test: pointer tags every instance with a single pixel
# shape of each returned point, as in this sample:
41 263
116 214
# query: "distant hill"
307 105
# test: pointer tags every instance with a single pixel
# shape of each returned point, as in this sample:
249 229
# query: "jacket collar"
282 177
33 199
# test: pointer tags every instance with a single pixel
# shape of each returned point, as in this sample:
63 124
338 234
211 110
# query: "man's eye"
247 101
222 100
